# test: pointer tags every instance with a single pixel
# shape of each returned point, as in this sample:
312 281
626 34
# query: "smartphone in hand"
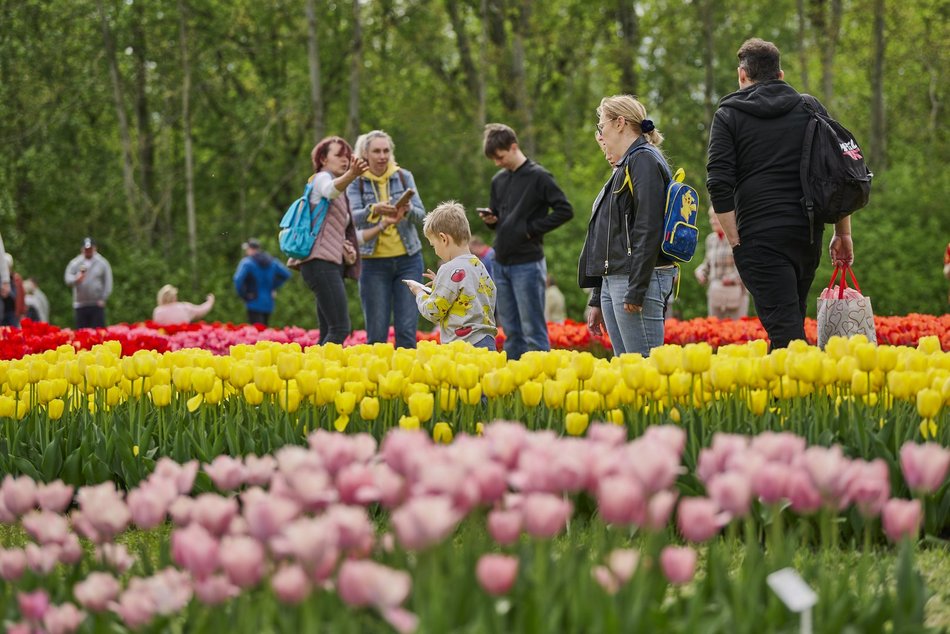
416 287
405 198
485 211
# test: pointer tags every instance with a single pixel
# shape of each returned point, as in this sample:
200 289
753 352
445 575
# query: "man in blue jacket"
257 279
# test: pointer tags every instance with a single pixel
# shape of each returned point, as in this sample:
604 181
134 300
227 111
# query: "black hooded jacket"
754 159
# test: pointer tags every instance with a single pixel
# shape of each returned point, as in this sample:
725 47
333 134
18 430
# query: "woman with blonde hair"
395 253
171 311
632 280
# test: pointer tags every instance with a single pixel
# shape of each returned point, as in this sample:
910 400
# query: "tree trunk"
629 43
524 115
143 120
802 49
481 117
128 177
707 15
830 28
316 88
356 64
878 127
189 158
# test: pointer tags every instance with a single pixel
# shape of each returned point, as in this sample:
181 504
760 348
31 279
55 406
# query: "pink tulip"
19 628
180 510
504 526
924 466
96 591
33 605
901 519
309 540
55 496
182 475
226 472
401 620
355 532
104 510
116 556
12 564
732 492
71 551
607 434
149 503
258 471
194 549
679 564
46 527
505 441
783 447
496 573
356 485
19 494
214 512
713 460
770 482
339 450
623 563
363 583
135 608
290 584
672 436
6 517
654 463
242 559
42 559
424 521
698 519
545 515
215 590
827 467
605 579
266 515
492 481
621 501
659 510
802 493
63 619
869 486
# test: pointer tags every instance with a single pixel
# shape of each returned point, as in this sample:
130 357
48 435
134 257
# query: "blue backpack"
680 233
300 225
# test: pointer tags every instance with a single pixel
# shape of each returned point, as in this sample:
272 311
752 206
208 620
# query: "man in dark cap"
257 279
90 277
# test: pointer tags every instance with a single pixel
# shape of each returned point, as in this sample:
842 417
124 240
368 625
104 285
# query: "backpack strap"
402 178
808 205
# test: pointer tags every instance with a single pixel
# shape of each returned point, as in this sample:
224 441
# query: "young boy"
462 299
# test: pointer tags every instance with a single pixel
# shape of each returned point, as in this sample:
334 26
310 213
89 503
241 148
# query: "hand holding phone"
485 211
415 287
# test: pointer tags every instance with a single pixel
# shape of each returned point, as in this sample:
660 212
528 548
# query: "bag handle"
844 270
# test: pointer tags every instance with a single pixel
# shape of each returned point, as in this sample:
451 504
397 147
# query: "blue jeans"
636 332
383 294
520 289
487 342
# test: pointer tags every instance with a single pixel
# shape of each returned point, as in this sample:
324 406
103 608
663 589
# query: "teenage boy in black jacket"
525 204
753 177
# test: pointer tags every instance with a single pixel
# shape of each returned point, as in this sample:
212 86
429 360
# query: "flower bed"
219 337
287 542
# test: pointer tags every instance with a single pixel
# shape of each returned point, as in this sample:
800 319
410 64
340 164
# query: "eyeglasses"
600 126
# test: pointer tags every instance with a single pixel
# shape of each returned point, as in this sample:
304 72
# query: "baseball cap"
88 243
252 243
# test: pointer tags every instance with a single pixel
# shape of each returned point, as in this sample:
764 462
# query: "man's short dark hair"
760 59
498 137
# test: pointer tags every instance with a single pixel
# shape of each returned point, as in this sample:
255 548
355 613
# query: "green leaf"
52 461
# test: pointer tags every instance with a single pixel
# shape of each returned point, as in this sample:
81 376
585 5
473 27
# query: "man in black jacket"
525 204
753 177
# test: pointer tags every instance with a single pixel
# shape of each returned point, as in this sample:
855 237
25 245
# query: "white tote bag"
844 311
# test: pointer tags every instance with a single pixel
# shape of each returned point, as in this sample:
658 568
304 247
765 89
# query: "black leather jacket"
626 226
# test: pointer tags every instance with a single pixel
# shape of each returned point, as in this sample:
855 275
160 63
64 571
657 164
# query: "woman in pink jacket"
171 311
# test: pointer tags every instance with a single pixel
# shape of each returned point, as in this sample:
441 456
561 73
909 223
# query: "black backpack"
835 180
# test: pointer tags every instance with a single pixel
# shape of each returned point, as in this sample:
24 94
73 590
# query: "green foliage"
61 173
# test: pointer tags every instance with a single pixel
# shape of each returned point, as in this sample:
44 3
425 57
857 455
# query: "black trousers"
257 317
778 269
90 317
325 280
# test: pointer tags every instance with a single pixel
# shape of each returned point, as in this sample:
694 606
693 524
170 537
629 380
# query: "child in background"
462 299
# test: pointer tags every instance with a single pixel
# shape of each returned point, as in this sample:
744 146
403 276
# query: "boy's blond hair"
448 218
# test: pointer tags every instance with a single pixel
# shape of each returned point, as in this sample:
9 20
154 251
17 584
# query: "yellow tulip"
341 422
391 384
615 416
358 388
836 347
467 376
37 369
583 364
203 380
114 396
633 374
161 395
345 403
604 380
54 409
531 393
929 402
554 392
928 428
146 362
288 365
651 379
590 401
929 344
697 357
439 364
675 415
680 383
866 355
472 396
289 400
758 401
479 429
369 408
442 433
252 394
421 406
447 399
267 380
846 368
723 374
567 376
408 422
327 389
575 423
308 382
667 358
17 379
181 377
195 402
